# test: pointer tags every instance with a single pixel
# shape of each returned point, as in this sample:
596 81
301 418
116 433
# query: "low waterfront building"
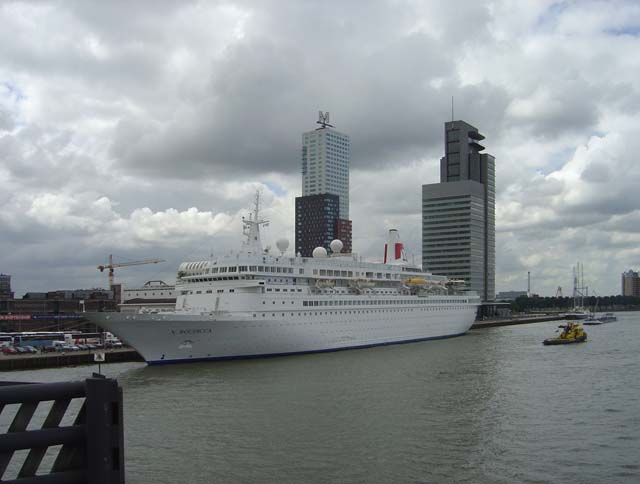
510 295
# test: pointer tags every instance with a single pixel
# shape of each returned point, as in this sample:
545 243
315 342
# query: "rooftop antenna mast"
452 118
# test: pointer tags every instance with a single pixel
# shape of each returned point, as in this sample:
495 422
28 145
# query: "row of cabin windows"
209 291
370 275
220 278
289 270
374 302
361 311
283 290
275 269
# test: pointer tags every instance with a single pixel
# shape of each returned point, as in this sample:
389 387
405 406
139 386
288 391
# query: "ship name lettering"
195 331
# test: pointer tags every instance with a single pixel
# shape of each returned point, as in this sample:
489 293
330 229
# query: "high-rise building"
458 214
630 283
316 218
343 232
322 213
325 163
5 287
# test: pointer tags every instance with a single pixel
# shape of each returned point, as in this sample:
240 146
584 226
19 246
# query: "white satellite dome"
282 245
319 252
336 246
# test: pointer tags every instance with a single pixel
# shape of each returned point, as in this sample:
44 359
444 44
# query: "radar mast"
251 229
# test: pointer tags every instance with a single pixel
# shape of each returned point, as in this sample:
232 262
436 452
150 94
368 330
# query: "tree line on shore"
595 303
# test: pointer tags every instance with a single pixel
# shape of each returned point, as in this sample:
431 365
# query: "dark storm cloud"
262 96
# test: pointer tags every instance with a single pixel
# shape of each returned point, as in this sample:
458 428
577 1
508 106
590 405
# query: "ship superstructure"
258 303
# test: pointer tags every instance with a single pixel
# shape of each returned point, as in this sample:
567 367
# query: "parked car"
9 350
21 350
67 348
82 346
31 349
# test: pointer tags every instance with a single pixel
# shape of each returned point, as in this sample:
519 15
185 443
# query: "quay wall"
492 323
56 360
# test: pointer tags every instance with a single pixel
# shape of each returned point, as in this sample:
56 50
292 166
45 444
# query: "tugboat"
571 333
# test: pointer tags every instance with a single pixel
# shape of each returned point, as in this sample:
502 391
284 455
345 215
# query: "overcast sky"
142 129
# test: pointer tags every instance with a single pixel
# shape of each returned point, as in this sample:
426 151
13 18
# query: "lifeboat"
362 284
571 333
416 281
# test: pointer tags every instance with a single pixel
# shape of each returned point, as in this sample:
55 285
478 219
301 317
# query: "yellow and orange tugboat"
571 333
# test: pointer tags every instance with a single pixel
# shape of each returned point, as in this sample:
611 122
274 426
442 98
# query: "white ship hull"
171 338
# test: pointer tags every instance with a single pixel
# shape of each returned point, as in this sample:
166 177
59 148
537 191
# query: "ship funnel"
394 249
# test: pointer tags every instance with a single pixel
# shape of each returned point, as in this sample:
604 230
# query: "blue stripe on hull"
273 355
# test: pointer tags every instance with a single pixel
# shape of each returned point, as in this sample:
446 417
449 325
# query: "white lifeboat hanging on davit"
394 249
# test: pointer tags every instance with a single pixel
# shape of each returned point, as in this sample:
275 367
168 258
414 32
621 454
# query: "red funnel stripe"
399 248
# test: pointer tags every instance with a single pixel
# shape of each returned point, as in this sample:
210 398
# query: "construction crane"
111 266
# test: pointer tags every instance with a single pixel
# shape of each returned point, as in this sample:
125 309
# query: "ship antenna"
251 228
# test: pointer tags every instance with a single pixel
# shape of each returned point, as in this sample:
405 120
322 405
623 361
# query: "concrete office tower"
630 283
458 214
325 163
325 188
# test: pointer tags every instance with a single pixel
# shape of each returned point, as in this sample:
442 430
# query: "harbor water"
493 406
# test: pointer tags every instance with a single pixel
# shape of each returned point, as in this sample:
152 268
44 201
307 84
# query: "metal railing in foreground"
91 449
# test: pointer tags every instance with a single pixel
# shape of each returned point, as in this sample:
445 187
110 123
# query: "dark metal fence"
92 448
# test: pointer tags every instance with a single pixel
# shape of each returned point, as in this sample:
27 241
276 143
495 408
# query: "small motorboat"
571 333
591 321
607 318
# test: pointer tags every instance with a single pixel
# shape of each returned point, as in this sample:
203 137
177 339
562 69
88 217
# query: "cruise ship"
258 302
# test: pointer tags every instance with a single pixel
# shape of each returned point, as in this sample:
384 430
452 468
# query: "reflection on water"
492 406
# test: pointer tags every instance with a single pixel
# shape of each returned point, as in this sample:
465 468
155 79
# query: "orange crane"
112 266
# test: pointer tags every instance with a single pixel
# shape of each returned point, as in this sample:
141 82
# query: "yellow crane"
111 266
